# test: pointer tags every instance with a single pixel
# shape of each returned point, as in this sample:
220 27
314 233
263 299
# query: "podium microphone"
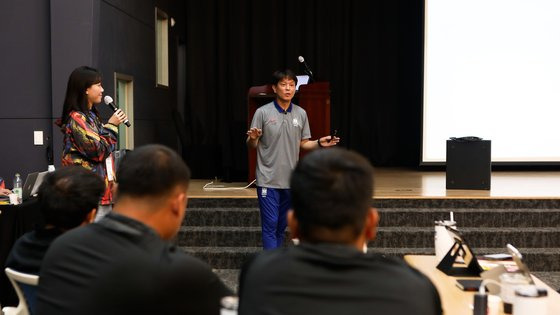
109 101
307 69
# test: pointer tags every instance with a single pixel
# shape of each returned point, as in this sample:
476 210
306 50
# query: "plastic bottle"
18 187
229 305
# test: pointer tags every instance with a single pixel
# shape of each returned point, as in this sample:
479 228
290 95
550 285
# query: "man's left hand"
329 141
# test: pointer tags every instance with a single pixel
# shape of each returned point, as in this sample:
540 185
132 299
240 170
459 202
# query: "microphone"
307 69
109 101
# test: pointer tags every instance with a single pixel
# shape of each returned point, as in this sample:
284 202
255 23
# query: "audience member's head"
152 183
331 197
70 196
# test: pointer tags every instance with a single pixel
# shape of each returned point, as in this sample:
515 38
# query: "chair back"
25 286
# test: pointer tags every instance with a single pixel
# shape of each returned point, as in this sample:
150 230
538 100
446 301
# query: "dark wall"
127 37
43 41
24 85
74 42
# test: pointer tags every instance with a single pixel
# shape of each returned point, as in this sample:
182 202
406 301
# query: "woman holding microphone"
87 141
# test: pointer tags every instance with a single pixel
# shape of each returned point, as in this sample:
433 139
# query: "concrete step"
395 237
222 217
225 232
538 259
485 217
402 203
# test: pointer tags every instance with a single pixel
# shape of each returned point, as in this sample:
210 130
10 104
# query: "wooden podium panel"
315 98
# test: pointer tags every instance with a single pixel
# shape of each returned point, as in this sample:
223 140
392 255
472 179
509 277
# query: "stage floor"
400 183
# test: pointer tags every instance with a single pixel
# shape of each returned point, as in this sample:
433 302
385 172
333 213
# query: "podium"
315 98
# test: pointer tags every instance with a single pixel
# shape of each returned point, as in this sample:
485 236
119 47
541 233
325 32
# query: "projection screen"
492 70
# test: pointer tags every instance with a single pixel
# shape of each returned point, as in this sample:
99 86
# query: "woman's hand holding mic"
118 117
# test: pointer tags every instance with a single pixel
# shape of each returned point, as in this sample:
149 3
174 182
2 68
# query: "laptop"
32 183
301 80
518 258
494 273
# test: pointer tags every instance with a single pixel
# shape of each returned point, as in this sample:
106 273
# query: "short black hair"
151 170
79 81
280 75
68 194
331 188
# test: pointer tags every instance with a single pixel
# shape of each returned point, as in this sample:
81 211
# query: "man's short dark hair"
331 188
151 170
68 194
280 75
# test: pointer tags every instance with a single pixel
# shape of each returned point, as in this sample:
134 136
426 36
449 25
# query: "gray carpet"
225 232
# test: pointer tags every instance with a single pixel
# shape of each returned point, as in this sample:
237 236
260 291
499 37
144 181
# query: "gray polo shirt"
278 148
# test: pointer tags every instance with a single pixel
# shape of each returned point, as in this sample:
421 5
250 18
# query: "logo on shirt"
295 122
272 121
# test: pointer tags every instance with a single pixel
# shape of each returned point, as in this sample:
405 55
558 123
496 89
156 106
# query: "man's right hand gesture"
254 133
253 136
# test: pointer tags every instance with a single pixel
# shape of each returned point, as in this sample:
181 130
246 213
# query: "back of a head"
151 171
332 189
68 194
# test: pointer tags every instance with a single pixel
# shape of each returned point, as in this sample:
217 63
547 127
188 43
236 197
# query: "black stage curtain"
370 52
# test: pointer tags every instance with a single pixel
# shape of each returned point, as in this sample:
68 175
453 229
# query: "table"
457 302
14 222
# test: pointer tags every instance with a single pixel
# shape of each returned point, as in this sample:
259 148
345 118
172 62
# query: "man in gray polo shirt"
278 130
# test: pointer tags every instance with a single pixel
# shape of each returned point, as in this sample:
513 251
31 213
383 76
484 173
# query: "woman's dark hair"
76 99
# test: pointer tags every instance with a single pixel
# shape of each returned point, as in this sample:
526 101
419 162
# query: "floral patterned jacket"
88 143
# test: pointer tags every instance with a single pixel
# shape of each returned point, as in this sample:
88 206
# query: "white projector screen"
492 70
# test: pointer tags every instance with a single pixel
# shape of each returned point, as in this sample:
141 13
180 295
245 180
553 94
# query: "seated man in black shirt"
150 204
161 290
68 198
328 272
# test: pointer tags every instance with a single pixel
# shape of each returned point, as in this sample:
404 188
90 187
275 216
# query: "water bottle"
18 187
229 305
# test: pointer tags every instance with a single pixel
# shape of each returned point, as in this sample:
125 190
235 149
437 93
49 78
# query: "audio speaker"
468 164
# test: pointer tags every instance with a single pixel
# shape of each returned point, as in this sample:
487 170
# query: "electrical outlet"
37 137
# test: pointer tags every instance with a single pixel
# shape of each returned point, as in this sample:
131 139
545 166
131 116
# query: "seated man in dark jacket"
328 272
68 198
150 205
